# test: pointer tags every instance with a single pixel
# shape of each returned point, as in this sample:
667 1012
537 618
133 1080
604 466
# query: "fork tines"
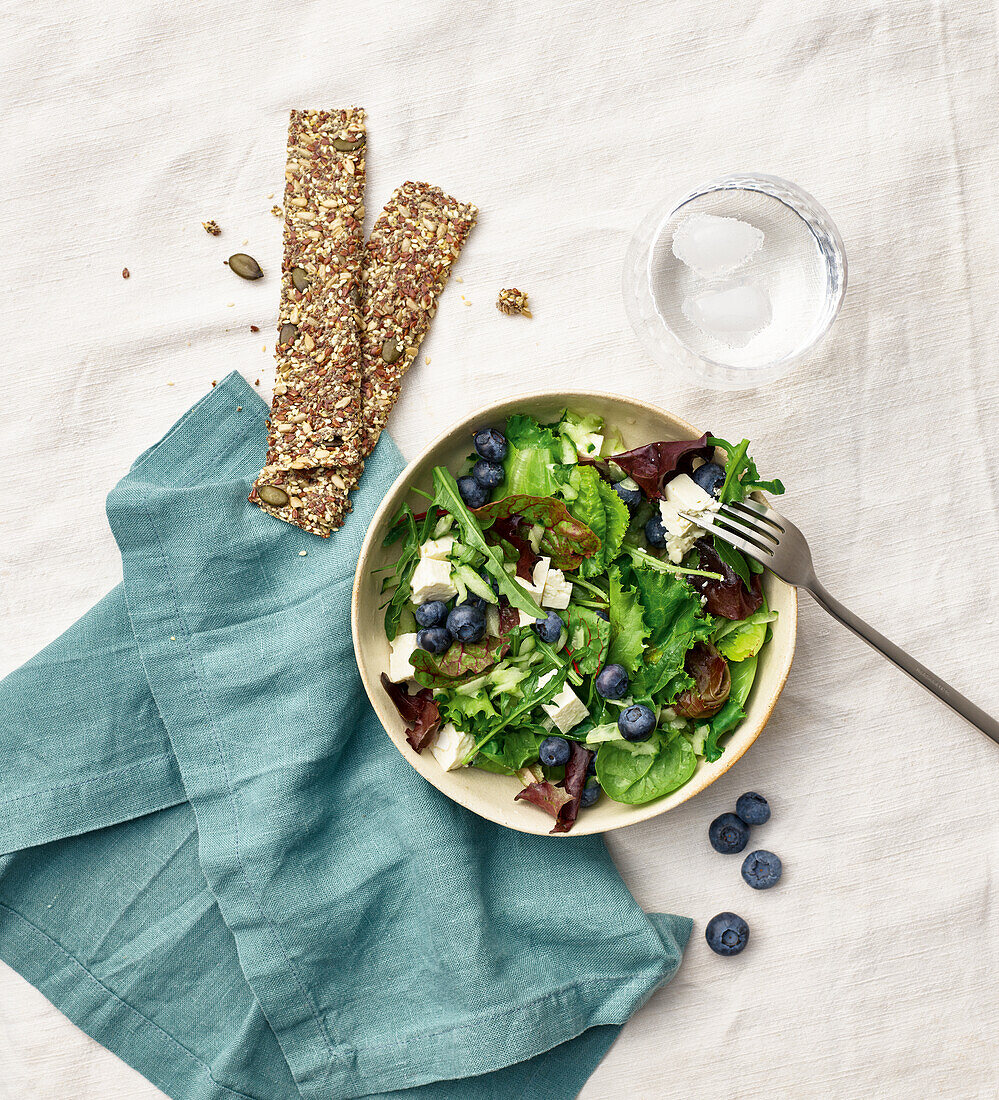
748 525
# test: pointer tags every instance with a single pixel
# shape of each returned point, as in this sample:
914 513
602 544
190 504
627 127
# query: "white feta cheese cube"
432 581
399 667
537 583
683 494
438 549
525 619
542 680
557 591
566 709
451 746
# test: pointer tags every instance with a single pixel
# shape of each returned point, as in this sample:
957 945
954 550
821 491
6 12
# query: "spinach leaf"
627 626
723 722
637 777
446 496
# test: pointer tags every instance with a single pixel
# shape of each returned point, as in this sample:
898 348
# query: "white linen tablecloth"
874 968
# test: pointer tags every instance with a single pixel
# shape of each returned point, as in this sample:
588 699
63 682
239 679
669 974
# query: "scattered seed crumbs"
426 359
467 302
173 637
230 304
257 383
125 273
271 195
458 279
302 553
512 301
277 211
211 228
171 383
254 328
213 382
247 241
239 408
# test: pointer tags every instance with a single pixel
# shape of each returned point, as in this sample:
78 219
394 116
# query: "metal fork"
768 538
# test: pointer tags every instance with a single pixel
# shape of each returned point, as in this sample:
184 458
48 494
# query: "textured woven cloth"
216 862
873 966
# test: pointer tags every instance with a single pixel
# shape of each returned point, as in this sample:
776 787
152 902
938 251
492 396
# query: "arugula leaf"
604 512
634 778
741 474
588 637
415 530
733 559
446 496
627 626
567 541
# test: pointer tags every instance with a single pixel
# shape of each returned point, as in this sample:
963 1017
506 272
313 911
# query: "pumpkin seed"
391 350
246 267
300 279
342 145
272 495
288 333
355 296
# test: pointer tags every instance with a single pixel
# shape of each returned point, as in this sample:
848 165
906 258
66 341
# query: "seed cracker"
316 410
409 255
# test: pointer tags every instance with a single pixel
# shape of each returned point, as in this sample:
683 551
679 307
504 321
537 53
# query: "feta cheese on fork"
432 581
402 647
683 494
557 591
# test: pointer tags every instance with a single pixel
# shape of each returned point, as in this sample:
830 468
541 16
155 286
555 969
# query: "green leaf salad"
553 617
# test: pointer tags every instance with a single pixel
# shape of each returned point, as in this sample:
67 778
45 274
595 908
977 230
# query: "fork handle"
944 692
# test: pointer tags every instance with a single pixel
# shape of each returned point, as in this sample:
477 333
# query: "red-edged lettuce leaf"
566 539
728 598
418 711
463 661
655 463
713 681
588 637
561 799
508 530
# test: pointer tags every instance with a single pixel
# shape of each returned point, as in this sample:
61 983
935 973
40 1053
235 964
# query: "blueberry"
631 497
655 532
602 614
612 682
548 630
554 752
591 768
472 493
488 474
728 834
727 934
591 792
434 639
636 723
490 444
467 624
753 808
432 613
762 869
710 477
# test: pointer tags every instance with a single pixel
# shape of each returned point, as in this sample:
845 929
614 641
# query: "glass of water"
736 281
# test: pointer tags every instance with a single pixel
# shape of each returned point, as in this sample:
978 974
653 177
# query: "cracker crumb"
254 328
512 301
171 383
213 382
257 383
173 637
277 211
271 195
239 408
230 304
247 241
426 359
302 553
212 228
458 279
125 273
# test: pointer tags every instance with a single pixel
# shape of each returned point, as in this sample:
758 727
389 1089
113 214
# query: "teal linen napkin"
220 867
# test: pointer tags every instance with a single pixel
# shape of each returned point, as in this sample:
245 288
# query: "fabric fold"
384 938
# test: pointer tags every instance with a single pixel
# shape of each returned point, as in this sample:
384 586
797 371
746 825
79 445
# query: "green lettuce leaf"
635 778
746 638
604 512
743 674
532 453
584 432
723 722
464 710
627 626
